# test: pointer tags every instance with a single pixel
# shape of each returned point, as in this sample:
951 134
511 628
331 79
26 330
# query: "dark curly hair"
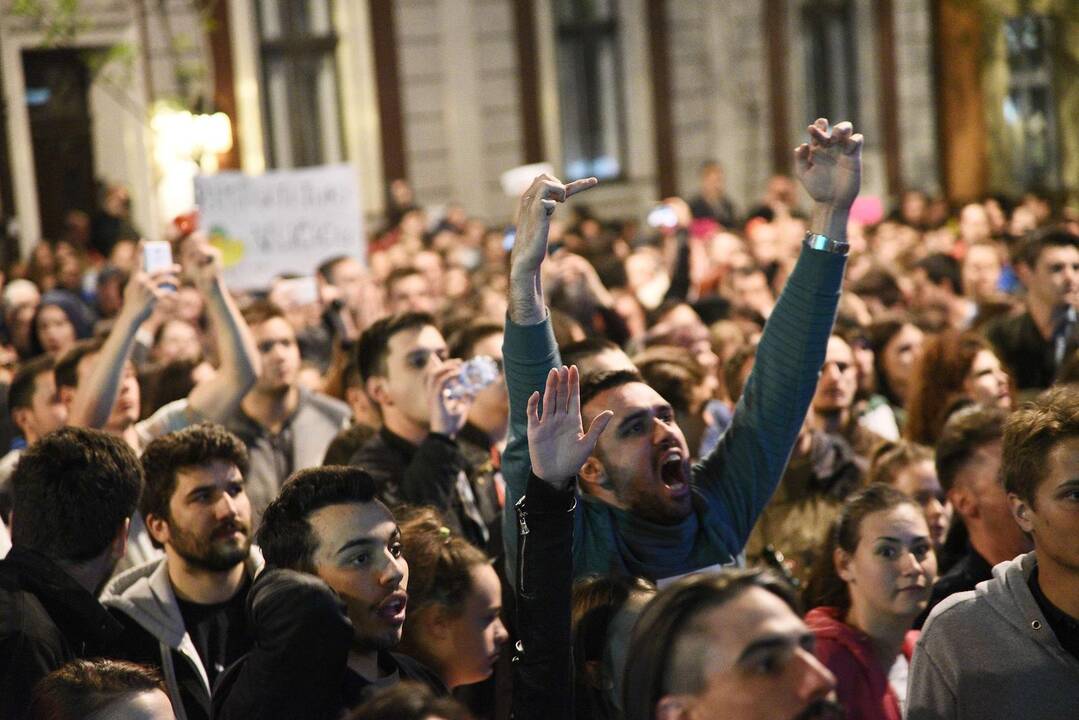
193 446
285 535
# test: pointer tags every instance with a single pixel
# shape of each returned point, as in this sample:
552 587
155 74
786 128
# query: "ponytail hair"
440 562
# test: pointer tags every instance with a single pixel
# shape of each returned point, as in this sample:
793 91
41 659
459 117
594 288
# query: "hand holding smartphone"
156 257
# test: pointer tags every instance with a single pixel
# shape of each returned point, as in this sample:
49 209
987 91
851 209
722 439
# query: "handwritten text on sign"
281 222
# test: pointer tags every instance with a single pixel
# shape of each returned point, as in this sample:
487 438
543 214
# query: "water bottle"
475 375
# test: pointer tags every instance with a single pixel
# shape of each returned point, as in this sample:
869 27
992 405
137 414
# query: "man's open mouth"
392 609
673 472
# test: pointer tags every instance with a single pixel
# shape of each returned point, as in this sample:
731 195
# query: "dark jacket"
424 474
46 619
298 666
1026 353
543 666
862 688
144 601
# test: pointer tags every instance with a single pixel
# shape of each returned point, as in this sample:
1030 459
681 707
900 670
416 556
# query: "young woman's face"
892 571
919 481
54 330
987 381
900 354
477 633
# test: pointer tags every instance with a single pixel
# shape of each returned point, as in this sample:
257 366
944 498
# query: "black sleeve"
298 662
679 288
431 477
23 662
543 671
612 325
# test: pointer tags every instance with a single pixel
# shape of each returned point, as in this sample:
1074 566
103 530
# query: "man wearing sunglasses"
416 457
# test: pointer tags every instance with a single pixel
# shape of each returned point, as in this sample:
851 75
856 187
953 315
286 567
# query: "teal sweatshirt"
733 483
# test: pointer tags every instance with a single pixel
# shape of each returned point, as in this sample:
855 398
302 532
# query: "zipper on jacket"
522 540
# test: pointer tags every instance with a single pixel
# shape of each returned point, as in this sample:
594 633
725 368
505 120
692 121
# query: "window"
590 88
1029 114
299 79
831 60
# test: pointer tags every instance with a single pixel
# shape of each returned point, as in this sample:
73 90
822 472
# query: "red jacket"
861 685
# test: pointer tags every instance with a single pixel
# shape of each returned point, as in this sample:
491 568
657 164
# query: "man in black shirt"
1034 344
185 614
416 456
74 493
328 609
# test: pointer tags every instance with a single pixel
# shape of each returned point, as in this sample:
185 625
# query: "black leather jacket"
543 664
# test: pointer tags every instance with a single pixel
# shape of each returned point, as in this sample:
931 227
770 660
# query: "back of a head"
73 489
285 535
658 661
673 373
439 562
21 391
966 431
408 701
891 458
597 602
83 689
67 367
465 338
1031 433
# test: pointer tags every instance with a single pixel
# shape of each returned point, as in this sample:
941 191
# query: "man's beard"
375 643
822 709
208 554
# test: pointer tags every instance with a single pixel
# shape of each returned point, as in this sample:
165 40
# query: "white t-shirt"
5 540
897 678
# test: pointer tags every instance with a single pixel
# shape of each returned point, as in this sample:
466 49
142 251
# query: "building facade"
954 96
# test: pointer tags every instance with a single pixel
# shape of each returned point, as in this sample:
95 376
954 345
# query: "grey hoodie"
989 653
145 594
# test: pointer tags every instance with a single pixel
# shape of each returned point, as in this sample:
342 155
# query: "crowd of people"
799 461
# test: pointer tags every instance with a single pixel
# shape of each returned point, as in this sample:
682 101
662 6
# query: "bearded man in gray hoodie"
1010 647
185 614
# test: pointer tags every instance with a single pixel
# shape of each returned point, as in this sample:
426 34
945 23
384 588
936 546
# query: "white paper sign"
516 180
285 221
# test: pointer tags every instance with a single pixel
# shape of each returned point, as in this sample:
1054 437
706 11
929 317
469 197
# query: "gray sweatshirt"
989 653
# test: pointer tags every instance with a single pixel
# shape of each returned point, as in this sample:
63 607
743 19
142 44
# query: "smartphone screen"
156 255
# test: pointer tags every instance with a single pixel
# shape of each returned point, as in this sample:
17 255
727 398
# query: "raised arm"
529 350
218 397
96 394
741 474
533 222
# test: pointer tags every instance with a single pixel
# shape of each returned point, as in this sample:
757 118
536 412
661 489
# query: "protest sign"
280 222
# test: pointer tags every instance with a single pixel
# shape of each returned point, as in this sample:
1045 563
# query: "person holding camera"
415 457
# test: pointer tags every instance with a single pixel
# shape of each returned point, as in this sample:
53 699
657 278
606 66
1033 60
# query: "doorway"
57 103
